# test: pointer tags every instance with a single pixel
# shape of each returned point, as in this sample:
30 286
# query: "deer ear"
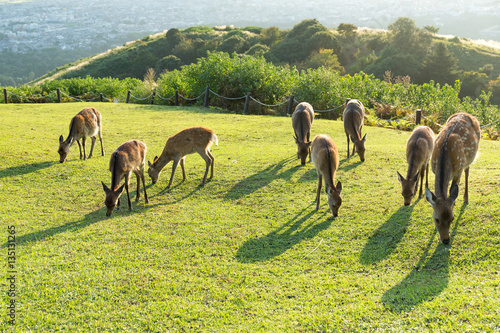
416 176
430 196
61 139
149 164
296 140
400 178
155 159
339 186
105 188
309 144
364 138
120 190
454 192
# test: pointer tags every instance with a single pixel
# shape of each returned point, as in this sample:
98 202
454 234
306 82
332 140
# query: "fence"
290 101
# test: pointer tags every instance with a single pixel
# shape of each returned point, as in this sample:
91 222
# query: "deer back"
325 157
354 114
188 141
129 157
302 119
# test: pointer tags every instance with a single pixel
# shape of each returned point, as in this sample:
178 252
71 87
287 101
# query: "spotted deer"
419 147
354 115
325 157
129 157
188 141
87 123
302 119
455 149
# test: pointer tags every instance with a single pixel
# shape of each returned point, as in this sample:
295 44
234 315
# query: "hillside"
403 50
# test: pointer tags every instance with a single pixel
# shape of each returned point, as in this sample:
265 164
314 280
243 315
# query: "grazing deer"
87 123
188 141
302 119
354 115
325 157
419 149
455 149
129 157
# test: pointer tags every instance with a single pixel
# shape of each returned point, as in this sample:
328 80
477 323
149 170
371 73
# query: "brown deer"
87 123
302 119
419 149
129 157
325 157
188 141
354 115
455 149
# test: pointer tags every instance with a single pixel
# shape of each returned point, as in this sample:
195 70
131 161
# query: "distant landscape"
38 36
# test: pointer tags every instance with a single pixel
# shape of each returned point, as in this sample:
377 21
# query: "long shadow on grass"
285 237
427 280
261 179
386 238
348 167
36 236
25 169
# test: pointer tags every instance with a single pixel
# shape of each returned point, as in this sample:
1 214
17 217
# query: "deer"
87 123
188 141
455 149
127 158
302 119
354 114
325 157
419 147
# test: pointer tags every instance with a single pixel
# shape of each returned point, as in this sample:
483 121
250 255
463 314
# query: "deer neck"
162 161
443 173
116 172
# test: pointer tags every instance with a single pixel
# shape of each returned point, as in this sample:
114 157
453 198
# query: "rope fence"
175 98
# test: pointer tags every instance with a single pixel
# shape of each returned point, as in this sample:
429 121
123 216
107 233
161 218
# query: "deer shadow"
427 280
348 167
36 236
261 179
386 238
25 169
282 239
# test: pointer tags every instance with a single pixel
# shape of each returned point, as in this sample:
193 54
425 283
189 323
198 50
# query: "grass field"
246 252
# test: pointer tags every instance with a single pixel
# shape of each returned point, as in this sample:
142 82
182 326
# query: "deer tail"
214 139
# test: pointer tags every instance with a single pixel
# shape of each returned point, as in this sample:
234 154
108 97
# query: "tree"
325 58
408 38
431 29
440 66
347 29
473 83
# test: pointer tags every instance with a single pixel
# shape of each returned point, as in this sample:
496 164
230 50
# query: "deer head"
112 198
443 211
334 198
63 149
409 187
303 150
360 147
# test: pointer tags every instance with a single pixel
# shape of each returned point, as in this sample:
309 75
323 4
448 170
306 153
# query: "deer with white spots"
419 149
455 149
188 141
325 157
129 157
354 115
302 119
86 124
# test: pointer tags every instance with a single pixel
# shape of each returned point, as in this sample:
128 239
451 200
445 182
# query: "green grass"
246 252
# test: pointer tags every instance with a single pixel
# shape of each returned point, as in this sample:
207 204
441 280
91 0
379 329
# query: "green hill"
403 50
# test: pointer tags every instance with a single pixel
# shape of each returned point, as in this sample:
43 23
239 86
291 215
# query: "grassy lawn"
246 252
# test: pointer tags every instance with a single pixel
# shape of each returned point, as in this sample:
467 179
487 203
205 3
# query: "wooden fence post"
100 97
5 96
152 98
128 96
247 101
205 102
58 95
290 104
176 98
418 117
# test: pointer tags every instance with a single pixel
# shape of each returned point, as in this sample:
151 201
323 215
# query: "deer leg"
92 146
100 139
144 186
183 160
466 192
80 147
208 161
83 145
127 180
320 183
347 145
138 193
353 149
212 160
422 171
427 175
174 166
